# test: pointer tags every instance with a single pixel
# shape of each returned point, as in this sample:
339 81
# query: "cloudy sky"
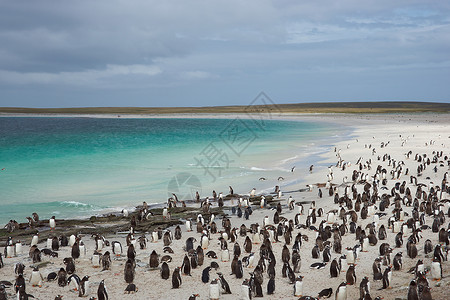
203 52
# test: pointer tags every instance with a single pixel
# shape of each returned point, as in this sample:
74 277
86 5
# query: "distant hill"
324 107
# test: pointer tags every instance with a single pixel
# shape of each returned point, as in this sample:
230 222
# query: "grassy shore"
330 107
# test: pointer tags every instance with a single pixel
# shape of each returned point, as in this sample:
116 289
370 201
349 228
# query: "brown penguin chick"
351 275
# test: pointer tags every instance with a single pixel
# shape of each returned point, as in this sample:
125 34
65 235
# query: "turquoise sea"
78 167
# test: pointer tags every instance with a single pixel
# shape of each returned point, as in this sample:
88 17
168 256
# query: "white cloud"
87 77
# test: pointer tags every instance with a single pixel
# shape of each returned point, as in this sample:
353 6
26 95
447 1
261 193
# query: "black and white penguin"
214 290
62 277
116 248
271 285
334 268
315 252
436 270
412 291
102 294
165 272
129 271
387 276
36 278
318 265
186 266
351 275
205 274
298 286
246 290
70 265
106 261
364 288
224 284
238 271
326 254
398 261
341 292
84 287
154 260
176 278
73 282
325 293
131 288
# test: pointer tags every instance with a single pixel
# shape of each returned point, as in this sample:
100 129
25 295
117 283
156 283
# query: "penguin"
398 261
351 275
298 286
52 276
387 276
70 265
334 268
36 278
106 261
315 252
412 291
239 272
214 290
325 293
224 284
205 274
73 282
200 256
211 254
176 278
188 225
318 265
165 271
20 282
193 296
257 288
18 248
55 244
52 223
186 266
131 252
129 271
116 248
364 288
84 287
350 256
326 254
225 255
96 259
131 288
154 261
62 277
271 285
436 270
247 245
341 292
426 294
101 291
246 290
76 250
190 244
296 261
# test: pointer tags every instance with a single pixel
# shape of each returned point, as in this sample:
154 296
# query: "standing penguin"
154 261
398 261
106 261
186 266
116 248
341 292
55 244
412 291
176 278
238 271
62 277
36 278
271 285
351 276
298 286
224 284
165 272
246 290
387 276
214 290
205 274
129 271
334 268
101 292
436 270
52 223
84 287
364 288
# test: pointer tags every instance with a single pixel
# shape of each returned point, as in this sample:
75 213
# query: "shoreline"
410 135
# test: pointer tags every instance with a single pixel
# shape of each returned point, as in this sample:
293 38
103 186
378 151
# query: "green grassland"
324 107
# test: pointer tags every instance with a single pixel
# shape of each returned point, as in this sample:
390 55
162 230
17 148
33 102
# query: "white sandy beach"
419 133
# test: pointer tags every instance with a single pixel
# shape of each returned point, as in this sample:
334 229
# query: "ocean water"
78 167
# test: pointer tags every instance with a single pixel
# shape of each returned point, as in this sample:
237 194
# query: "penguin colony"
386 206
